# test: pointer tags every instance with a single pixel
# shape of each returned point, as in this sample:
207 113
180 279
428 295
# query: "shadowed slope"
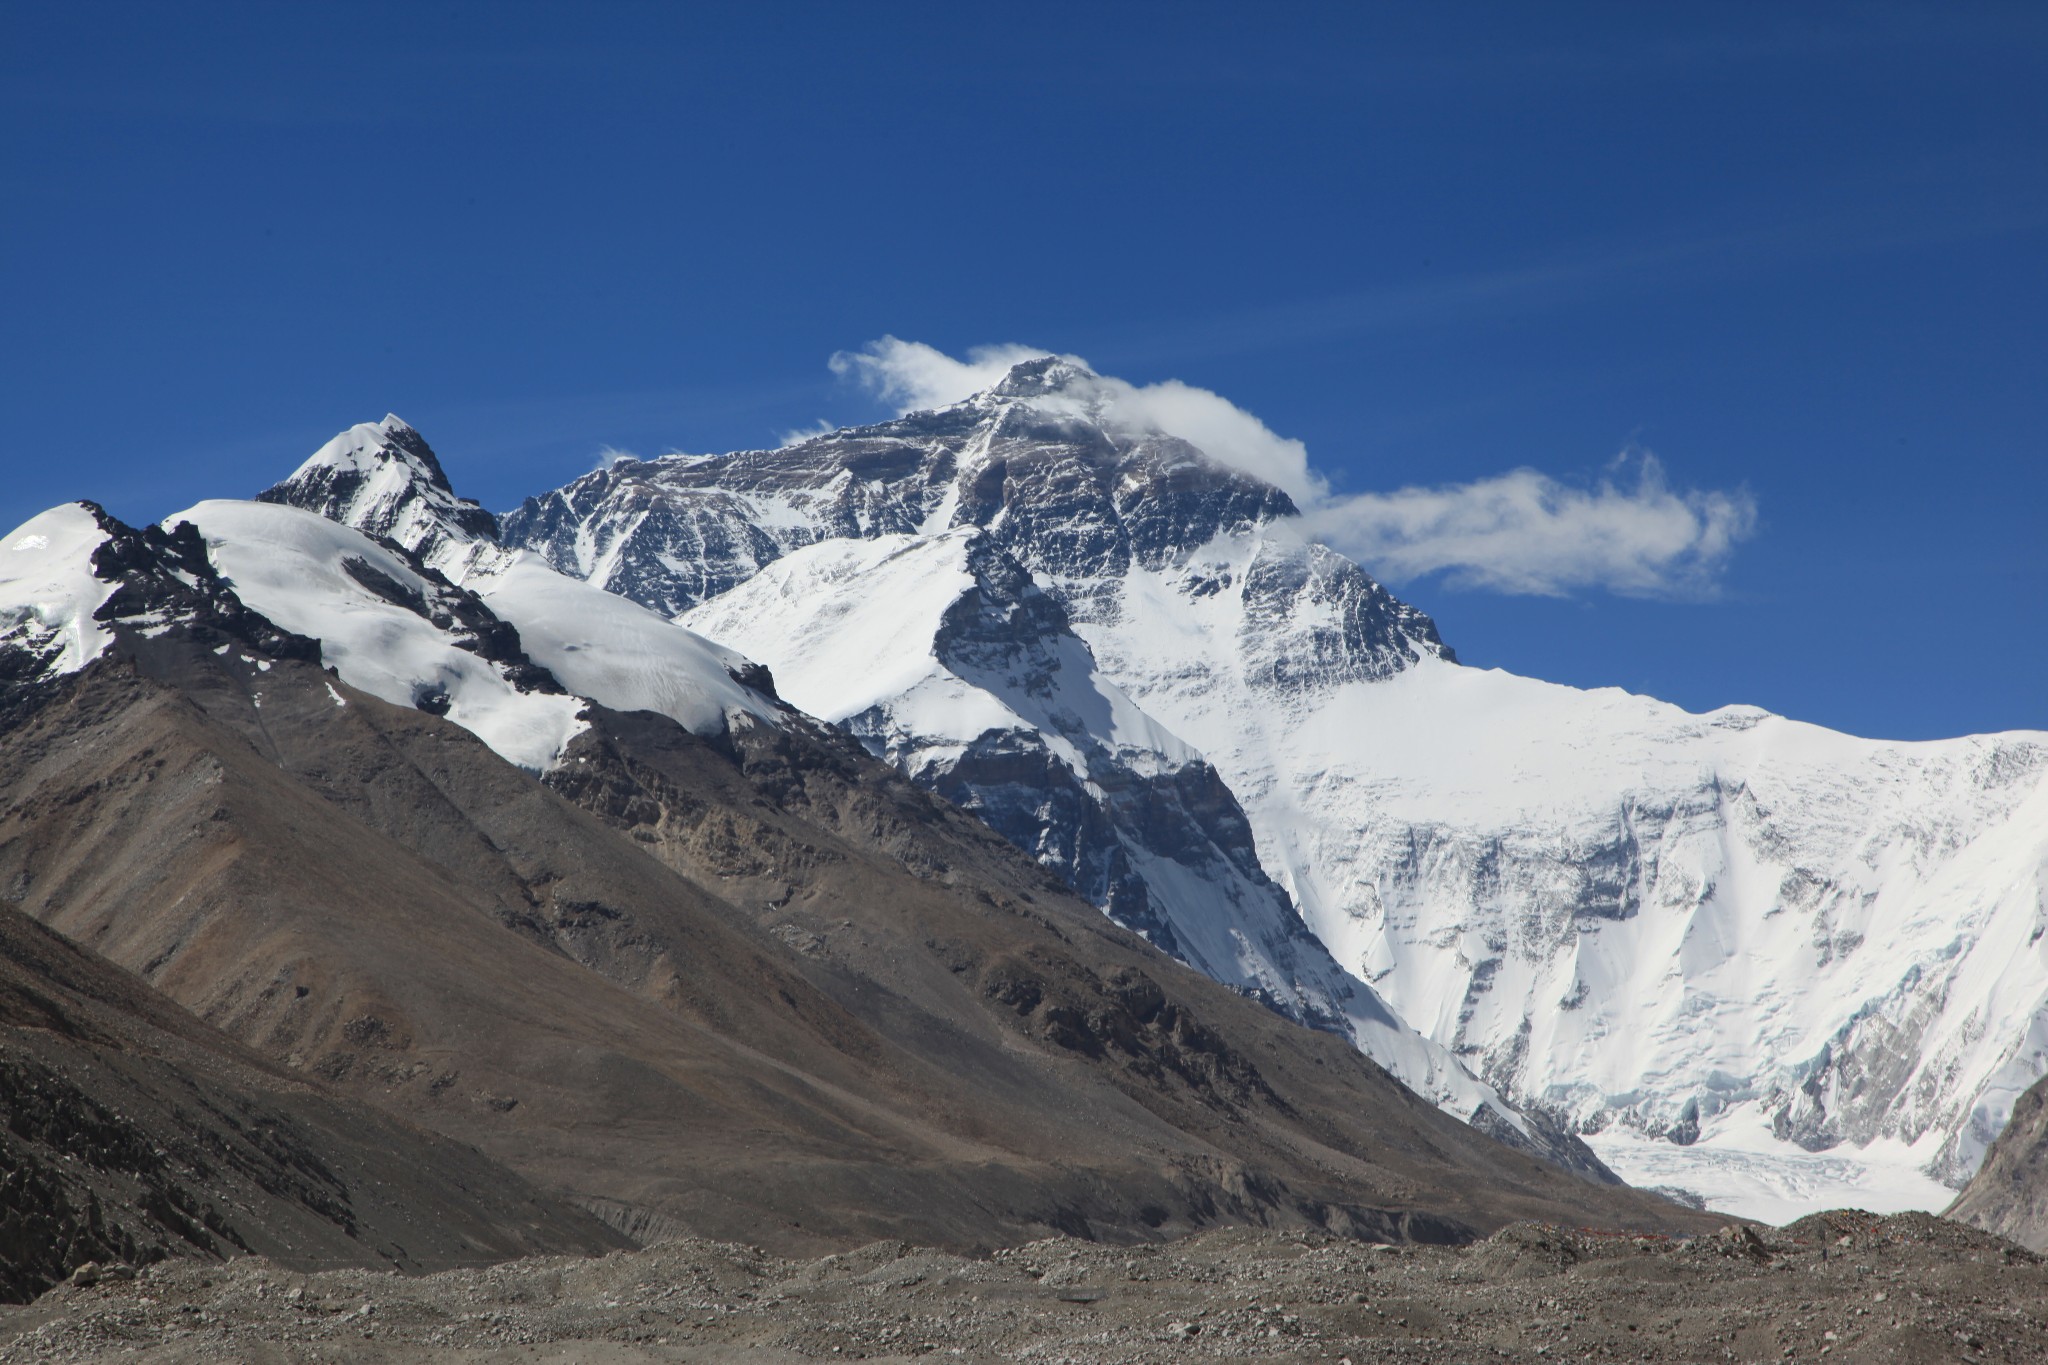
133 1132
928 1037
752 983
2009 1193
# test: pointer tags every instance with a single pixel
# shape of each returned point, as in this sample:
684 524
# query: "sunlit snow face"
48 591
293 567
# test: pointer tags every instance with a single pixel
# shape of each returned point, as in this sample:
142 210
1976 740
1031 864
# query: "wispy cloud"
1629 532
1525 532
796 436
915 376
1853 217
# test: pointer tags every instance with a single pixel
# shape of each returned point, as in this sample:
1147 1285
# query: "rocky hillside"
131 1132
747 981
2009 1193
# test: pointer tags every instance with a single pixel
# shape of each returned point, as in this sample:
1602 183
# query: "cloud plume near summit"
1522 532
1525 532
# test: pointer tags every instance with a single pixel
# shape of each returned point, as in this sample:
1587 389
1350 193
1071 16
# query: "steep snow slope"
617 652
387 628
49 594
940 655
1730 931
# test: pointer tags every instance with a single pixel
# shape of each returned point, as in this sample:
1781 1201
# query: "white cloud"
1214 424
1525 532
915 376
796 436
1521 532
609 455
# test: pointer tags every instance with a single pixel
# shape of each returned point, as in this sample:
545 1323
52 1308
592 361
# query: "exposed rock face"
2009 1193
1077 503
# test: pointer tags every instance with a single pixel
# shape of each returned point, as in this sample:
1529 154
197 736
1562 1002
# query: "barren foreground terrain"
1844 1287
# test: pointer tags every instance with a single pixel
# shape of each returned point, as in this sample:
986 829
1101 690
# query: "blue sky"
1798 253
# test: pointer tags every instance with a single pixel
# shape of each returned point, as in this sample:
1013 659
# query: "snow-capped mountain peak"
1699 936
50 595
1753 957
385 480
1043 377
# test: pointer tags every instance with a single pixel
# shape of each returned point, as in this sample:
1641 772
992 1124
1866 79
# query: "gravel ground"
1840 1287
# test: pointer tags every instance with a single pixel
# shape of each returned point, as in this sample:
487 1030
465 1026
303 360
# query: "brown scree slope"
130 1131
760 988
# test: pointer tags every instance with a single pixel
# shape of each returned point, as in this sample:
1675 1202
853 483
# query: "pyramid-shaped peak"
383 478
402 441
1044 376
373 447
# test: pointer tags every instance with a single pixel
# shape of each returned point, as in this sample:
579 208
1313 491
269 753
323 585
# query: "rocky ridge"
2009 1193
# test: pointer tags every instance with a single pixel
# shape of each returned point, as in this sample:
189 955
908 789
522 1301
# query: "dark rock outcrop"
2009 1193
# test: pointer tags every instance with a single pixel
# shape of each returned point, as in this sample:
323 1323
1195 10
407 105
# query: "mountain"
1746 955
133 1132
2009 1193
1009 719
711 968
